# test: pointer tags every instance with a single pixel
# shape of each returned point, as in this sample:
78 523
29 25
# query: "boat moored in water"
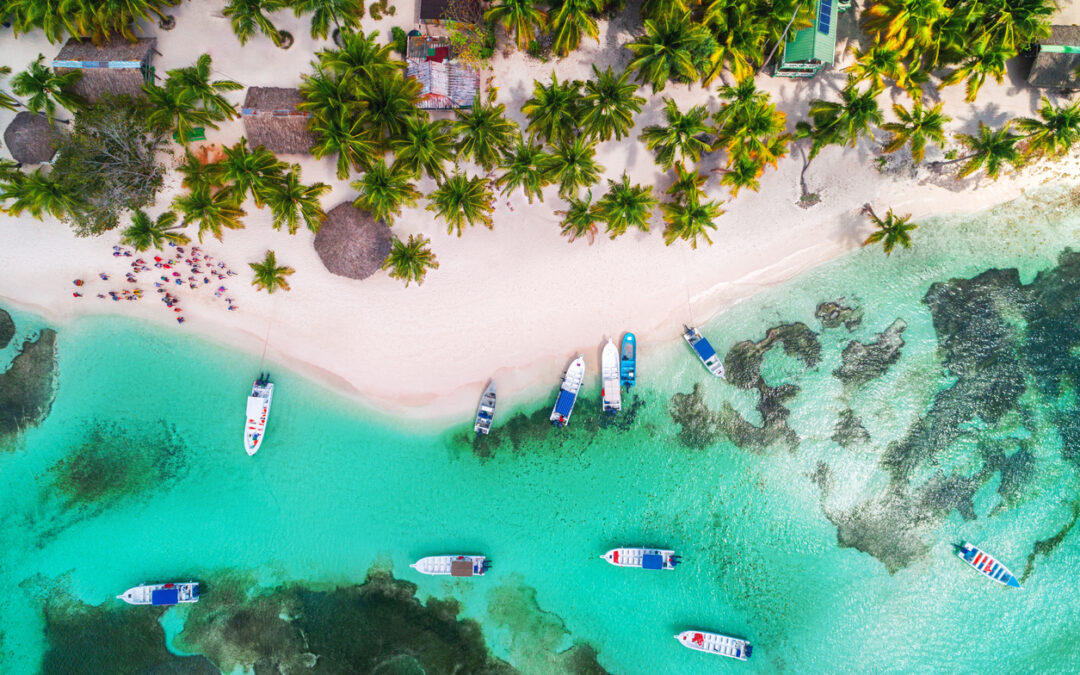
568 392
485 412
643 558
161 595
704 351
453 565
987 564
628 363
714 643
610 382
258 410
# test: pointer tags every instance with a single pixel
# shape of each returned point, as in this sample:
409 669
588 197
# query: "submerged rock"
699 426
849 430
7 329
864 362
28 387
834 314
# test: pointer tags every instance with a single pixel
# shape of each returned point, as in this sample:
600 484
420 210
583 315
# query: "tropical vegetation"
410 260
624 206
682 138
269 275
608 105
385 190
484 134
213 211
463 202
891 231
44 89
189 98
579 219
572 165
145 233
524 168
292 203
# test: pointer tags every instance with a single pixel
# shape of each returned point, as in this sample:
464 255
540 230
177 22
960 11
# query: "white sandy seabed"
518 301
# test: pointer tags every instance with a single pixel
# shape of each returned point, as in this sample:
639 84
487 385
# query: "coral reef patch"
864 362
834 314
7 329
28 387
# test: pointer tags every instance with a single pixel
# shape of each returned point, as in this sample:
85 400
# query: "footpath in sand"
516 302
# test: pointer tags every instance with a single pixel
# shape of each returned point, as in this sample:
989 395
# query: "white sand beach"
516 302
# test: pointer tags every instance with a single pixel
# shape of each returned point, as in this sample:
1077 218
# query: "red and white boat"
714 643
258 410
642 558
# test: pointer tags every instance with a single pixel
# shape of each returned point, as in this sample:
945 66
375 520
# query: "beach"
518 302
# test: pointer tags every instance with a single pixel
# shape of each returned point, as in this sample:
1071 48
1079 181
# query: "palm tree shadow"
992 115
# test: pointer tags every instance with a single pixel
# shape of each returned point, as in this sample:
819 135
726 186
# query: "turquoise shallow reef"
876 412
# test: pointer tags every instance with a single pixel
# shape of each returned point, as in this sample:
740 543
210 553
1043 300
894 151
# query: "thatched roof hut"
116 67
30 138
272 120
351 243
1057 59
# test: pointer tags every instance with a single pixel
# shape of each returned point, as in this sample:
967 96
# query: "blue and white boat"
453 565
715 643
571 385
704 351
610 383
628 365
162 595
485 412
642 558
987 564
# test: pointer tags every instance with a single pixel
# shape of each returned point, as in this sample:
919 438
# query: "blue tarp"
565 403
165 596
652 561
704 349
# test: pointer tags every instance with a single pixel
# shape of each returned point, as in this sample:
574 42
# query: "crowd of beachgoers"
173 273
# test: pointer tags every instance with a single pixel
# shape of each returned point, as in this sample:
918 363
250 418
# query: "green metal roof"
818 42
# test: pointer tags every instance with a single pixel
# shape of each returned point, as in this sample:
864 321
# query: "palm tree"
1057 130
292 202
196 79
347 137
983 58
625 206
518 17
757 132
572 166
411 260
386 103
46 89
144 233
553 110
841 123
196 174
990 149
569 20
907 24
462 201
176 110
326 95
248 17
424 147
213 211
741 33
683 135
484 134
250 171
325 11
384 190
737 100
609 105
669 50
38 194
6 100
916 127
688 219
579 219
525 169
891 230
742 172
270 276
360 58
879 62
687 182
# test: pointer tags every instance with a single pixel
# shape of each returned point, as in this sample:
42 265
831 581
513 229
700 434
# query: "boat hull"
704 351
987 565
162 595
258 412
485 412
611 384
715 643
453 565
642 558
628 361
571 385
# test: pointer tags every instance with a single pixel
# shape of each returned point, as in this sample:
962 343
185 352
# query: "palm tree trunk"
781 40
802 174
940 163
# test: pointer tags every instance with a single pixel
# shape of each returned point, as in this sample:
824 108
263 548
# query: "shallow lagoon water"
338 491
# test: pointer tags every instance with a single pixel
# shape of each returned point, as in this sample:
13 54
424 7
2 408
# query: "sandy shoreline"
515 303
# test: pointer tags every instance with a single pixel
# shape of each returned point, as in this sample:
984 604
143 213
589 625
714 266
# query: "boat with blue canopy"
987 565
162 595
568 392
628 364
485 411
642 558
704 351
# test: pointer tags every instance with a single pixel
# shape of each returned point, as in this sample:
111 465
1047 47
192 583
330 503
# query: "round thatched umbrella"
352 243
30 138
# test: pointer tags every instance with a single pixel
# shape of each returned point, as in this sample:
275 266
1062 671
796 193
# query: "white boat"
643 558
714 643
162 595
258 410
704 351
453 565
611 385
571 385
485 412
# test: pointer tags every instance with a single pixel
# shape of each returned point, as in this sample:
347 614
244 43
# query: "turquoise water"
164 492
